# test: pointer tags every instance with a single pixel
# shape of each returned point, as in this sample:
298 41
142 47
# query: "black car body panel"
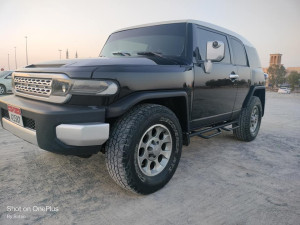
47 116
205 99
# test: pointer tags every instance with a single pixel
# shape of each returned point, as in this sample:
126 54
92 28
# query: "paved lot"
218 181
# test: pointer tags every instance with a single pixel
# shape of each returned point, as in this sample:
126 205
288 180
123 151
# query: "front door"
214 92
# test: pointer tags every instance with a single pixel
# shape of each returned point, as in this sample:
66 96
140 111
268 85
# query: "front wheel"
249 121
144 149
2 89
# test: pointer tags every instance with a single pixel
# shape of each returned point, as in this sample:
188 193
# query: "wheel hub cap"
154 150
254 119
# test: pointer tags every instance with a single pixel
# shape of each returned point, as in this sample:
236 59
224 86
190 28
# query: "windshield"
166 40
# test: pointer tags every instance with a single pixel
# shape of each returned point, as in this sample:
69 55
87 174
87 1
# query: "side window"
238 50
9 76
203 36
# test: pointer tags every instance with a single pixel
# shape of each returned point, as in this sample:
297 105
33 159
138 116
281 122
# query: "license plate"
15 115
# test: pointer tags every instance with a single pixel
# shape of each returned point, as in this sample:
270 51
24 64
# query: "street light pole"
59 53
16 57
8 62
26 52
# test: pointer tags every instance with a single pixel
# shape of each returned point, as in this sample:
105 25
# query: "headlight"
63 87
93 87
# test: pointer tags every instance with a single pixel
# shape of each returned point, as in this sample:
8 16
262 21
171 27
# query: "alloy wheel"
254 119
154 150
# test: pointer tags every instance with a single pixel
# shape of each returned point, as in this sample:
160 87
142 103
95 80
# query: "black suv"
152 88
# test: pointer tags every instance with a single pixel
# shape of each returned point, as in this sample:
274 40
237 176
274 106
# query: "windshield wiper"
159 55
121 53
150 53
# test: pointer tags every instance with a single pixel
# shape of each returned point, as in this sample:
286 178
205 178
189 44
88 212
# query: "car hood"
84 68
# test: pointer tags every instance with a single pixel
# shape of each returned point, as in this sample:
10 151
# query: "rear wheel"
249 121
2 89
144 149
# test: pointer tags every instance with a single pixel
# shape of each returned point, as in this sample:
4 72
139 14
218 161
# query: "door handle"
233 76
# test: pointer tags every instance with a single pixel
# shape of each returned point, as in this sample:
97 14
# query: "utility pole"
16 57
26 52
8 62
67 54
59 53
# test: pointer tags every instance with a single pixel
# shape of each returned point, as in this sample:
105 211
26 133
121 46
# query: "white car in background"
5 82
284 90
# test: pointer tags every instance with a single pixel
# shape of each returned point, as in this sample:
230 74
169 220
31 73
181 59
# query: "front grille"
4 113
29 123
33 86
41 86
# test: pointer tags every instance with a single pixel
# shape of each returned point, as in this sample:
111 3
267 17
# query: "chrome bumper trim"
83 134
21 132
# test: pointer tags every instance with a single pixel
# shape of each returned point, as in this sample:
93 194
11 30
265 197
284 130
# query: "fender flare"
124 104
251 93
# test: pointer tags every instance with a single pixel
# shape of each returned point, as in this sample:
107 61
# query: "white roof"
201 23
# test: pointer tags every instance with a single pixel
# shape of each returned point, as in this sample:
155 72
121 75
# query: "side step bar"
217 128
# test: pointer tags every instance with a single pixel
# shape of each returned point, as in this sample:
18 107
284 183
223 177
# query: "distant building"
275 59
290 69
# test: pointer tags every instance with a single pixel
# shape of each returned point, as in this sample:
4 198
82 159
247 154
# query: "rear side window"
203 36
239 54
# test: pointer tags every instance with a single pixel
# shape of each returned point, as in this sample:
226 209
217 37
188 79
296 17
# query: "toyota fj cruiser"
152 88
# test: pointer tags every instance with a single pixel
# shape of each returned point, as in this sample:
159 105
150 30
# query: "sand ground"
218 181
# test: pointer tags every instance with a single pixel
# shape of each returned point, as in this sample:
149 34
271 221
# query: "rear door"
214 92
243 71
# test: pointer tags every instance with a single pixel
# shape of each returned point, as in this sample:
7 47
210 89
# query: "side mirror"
215 51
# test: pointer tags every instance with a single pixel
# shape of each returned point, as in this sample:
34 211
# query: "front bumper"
65 129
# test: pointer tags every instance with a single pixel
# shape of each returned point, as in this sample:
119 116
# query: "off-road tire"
122 147
243 132
3 88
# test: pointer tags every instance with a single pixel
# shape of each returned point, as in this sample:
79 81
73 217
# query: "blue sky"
272 26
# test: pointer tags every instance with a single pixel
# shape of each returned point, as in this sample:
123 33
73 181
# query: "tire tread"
242 133
116 147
